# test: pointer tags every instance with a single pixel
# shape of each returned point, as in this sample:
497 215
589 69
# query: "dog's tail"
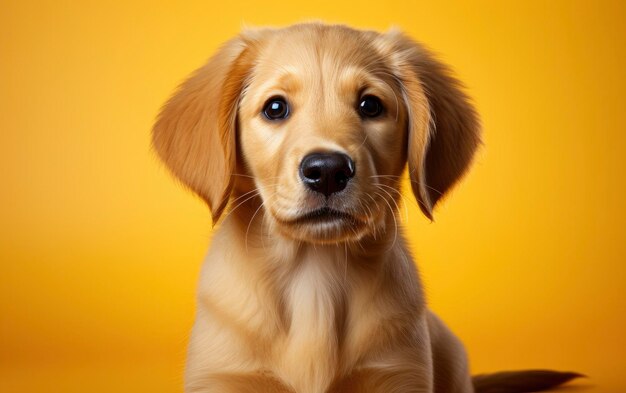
521 381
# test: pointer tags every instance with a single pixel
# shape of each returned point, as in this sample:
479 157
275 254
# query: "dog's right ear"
444 129
195 132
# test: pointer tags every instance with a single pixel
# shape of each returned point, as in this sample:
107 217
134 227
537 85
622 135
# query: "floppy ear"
444 129
195 132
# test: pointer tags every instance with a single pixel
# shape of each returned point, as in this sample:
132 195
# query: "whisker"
362 204
230 212
252 219
244 195
406 210
390 197
250 223
362 143
412 181
345 272
254 177
404 198
239 174
395 222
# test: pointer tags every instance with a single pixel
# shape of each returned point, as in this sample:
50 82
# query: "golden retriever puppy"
308 285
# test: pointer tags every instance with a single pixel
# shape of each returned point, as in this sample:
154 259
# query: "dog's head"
320 121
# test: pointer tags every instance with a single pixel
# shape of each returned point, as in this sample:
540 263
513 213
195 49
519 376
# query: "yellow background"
100 249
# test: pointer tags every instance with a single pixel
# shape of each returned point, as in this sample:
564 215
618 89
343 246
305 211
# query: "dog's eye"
276 108
370 106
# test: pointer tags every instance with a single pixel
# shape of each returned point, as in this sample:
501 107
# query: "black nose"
326 173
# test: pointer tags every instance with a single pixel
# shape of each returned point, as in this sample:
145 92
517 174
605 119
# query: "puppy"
308 285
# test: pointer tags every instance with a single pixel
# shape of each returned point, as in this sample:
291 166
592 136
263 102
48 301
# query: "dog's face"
323 119
320 125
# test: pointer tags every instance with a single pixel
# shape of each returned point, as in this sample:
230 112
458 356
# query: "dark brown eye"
370 106
276 108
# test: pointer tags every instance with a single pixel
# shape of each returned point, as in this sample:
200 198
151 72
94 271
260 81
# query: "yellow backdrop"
100 249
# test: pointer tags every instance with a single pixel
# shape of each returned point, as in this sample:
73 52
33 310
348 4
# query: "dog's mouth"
324 224
324 215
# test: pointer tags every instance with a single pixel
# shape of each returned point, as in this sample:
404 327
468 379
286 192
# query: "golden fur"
286 306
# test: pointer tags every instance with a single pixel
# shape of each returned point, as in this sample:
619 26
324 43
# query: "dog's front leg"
386 380
237 383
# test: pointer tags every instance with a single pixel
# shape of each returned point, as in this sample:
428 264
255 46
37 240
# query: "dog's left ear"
444 129
195 133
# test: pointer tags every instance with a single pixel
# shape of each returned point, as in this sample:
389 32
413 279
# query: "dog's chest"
315 299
